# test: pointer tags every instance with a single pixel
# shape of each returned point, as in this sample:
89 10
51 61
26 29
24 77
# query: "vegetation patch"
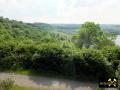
89 53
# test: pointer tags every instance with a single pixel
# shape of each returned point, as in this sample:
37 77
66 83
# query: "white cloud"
61 11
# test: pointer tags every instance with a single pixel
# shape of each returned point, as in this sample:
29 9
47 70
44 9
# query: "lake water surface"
117 41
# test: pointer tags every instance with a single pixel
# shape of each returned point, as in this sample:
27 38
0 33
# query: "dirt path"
34 81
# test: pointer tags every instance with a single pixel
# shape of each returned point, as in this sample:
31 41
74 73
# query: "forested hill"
19 29
12 29
43 26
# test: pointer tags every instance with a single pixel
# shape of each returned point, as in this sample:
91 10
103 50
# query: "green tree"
91 35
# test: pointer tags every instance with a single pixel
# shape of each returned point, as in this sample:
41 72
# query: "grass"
16 87
100 89
8 84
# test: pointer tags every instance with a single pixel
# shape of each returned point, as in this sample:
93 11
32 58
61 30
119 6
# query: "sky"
62 11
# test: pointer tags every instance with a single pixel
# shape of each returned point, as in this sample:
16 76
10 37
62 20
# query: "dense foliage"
56 58
91 35
25 46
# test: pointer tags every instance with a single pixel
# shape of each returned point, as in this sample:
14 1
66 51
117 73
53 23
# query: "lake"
117 41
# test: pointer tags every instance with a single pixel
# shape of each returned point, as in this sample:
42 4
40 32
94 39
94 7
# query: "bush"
113 55
118 76
6 63
6 49
48 58
72 62
68 67
16 56
92 62
6 58
53 57
6 84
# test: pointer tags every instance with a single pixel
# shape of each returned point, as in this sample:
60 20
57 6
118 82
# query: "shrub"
6 59
48 58
58 59
68 66
6 63
113 55
92 62
5 49
6 84
23 54
118 76
16 56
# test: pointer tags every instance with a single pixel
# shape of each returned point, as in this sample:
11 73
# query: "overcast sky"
62 11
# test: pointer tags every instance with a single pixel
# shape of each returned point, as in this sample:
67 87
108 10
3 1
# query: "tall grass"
6 84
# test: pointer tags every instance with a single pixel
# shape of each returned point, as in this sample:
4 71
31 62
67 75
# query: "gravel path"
51 83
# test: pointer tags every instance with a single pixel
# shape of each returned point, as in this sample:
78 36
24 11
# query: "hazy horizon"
60 23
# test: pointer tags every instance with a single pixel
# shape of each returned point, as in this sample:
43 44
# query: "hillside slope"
12 29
